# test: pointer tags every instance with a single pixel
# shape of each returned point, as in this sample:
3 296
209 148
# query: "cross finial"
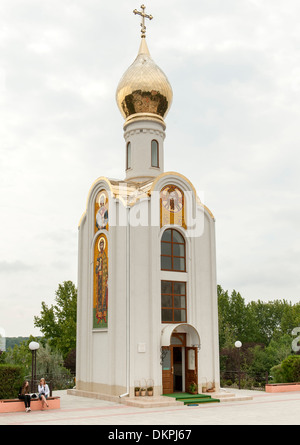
142 13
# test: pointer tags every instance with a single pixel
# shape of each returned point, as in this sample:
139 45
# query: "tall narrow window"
128 155
154 154
173 302
173 251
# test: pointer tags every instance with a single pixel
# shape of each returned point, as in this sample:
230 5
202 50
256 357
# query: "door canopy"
193 338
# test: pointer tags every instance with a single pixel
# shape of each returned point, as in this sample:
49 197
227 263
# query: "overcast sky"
233 131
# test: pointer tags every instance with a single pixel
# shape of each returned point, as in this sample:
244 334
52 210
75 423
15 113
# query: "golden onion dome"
144 88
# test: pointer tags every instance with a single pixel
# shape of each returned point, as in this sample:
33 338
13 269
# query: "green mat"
188 399
184 395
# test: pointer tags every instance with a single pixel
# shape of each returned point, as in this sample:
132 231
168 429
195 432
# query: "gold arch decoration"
172 206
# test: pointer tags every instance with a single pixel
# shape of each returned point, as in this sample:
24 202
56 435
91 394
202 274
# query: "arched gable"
184 184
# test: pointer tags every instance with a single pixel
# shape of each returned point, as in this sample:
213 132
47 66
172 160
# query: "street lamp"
33 346
238 345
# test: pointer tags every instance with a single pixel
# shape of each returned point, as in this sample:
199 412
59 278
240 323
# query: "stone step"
151 402
230 397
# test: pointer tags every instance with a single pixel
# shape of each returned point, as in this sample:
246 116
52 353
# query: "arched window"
154 154
173 251
128 155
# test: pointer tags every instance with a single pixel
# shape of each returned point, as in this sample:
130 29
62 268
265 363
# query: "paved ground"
263 409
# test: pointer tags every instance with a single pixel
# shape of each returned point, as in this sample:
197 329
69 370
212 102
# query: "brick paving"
262 409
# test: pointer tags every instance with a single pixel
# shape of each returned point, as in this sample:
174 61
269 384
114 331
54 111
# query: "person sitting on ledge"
44 392
24 395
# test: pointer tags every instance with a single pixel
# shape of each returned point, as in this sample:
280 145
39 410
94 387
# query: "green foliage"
70 361
265 332
11 379
277 375
255 322
290 318
12 341
20 355
58 322
47 361
291 368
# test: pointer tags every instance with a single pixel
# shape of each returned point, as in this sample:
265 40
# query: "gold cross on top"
142 13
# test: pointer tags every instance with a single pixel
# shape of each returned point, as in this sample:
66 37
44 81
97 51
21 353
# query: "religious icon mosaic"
100 291
101 211
100 303
172 206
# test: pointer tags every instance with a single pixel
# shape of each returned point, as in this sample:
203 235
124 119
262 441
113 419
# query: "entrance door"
177 369
173 364
167 370
191 366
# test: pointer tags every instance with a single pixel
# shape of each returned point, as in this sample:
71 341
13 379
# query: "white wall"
131 344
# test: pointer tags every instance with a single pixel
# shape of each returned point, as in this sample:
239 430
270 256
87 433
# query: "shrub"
277 375
288 371
11 378
291 368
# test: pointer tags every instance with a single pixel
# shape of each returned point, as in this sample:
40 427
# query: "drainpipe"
127 306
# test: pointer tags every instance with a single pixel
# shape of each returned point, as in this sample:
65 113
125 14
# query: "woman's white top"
44 389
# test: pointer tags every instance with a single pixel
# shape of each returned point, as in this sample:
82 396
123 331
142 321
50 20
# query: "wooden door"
191 367
167 370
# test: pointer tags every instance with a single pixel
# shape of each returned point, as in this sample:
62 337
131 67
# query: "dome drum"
145 102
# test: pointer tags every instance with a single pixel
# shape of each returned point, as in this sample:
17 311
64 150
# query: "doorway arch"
193 337
179 347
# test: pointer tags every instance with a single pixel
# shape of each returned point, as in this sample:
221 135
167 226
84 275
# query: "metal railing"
244 380
54 381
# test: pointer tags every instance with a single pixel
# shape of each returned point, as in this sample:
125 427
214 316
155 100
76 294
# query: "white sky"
233 130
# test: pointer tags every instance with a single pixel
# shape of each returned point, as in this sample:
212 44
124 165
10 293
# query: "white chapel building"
147 290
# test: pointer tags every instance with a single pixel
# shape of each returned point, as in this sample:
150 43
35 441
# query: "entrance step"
192 399
150 402
196 400
213 396
231 397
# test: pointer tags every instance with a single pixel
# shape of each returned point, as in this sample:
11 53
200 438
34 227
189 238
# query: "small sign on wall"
141 347
191 360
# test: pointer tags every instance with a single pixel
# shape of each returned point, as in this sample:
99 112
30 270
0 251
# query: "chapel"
147 291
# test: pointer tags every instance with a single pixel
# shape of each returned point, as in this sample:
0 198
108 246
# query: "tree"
233 318
255 322
290 318
58 322
265 319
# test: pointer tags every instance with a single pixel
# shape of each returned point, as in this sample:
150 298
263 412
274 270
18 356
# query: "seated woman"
44 392
24 395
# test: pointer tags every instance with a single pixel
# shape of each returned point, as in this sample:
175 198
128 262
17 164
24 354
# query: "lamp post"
238 345
33 346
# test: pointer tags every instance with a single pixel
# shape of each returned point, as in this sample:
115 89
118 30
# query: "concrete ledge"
93 395
151 402
283 387
139 402
230 397
17 405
